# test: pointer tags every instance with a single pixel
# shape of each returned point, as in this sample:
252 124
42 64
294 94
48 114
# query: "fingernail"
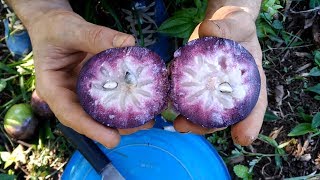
122 40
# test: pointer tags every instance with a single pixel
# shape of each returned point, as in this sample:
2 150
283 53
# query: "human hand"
234 23
62 41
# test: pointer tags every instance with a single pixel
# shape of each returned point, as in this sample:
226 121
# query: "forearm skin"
29 11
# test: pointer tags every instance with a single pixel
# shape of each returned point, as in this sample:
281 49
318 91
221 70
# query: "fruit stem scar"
110 85
225 87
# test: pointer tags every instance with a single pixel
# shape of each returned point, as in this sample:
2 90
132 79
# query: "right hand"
62 41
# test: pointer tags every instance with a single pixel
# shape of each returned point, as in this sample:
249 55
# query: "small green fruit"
20 122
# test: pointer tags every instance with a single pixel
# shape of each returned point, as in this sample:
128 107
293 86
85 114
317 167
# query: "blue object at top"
18 43
156 154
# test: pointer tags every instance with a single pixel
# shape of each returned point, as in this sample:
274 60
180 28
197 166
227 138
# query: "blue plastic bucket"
156 154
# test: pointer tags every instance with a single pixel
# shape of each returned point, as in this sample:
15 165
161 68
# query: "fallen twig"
306 11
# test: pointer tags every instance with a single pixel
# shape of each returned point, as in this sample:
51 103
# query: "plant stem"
12 77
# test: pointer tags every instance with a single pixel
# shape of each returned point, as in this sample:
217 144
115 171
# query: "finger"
230 27
67 109
181 124
94 38
195 33
84 36
246 131
148 125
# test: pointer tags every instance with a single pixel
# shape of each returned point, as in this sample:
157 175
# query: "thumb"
93 38
237 27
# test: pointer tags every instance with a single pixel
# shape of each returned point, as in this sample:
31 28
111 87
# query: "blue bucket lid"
156 154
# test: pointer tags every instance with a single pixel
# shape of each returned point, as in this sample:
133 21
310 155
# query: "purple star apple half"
123 87
215 82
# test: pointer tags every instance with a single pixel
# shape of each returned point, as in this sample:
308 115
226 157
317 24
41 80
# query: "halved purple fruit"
123 87
215 82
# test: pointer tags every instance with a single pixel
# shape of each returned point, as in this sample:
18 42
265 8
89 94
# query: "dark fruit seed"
20 122
215 82
40 108
123 87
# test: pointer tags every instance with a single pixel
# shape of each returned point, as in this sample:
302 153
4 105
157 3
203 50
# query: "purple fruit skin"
128 118
196 113
40 107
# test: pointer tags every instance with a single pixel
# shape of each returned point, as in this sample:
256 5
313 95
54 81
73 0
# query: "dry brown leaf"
279 94
316 31
291 146
301 149
305 157
275 133
302 54
317 162
303 67
309 21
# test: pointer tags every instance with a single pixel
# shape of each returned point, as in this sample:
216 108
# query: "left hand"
234 23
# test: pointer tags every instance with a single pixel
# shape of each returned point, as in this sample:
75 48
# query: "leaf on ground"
305 157
275 133
314 71
279 94
270 116
301 129
300 150
304 116
317 98
277 24
315 88
316 120
314 3
268 140
309 21
5 155
3 84
7 177
317 57
317 162
241 171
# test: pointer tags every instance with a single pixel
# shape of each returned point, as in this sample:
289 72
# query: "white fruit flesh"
124 87
214 81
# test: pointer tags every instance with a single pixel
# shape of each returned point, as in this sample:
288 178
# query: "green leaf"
315 71
268 140
7 177
171 24
198 3
277 24
304 116
270 117
314 3
278 160
316 120
7 68
315 88
301 129
241 171
317 57
48 131
3 84
185 13
317 98
180 31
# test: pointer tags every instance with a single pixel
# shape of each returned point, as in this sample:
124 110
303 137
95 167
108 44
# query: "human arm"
234 19
62 41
